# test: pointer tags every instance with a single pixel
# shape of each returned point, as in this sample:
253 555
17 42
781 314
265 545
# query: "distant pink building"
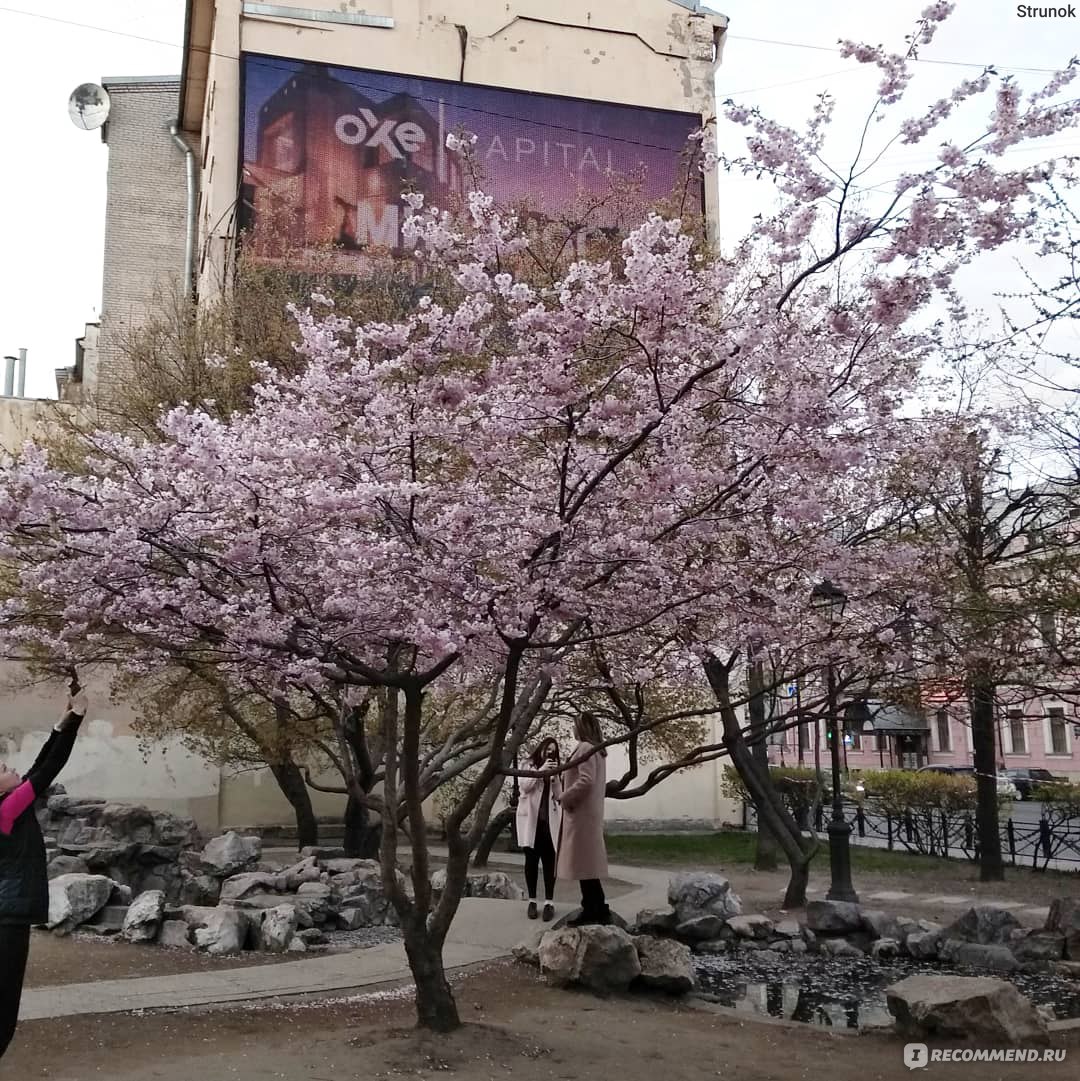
1043 734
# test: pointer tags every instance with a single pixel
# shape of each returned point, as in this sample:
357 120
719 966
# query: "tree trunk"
291 782
770 807
362 837
495 829
987 828
767 852
436 1009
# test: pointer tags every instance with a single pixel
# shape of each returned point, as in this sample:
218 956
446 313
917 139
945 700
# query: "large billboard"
327 153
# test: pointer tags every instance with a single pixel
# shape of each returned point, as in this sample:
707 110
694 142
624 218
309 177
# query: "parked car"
1027 780
1005 786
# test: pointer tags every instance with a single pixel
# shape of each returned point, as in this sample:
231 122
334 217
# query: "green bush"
1062 798
899 791
799 788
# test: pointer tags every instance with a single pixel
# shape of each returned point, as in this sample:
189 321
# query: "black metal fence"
1050 842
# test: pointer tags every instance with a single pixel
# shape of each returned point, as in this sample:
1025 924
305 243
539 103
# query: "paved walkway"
482 931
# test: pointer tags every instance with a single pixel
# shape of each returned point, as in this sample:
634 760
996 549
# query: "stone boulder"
306 870
361 890
600 958
614 920
833 917
230 854
175 934
665 965
978 1008
655 921
239 886
984 925
923 945
75 899
274 934
1064 917
882 925
143 919
788 929
199 890
840 947
700 893
885 949
493 885
753 926
1039 947
224 930
976 955
67 865
703 929
528 951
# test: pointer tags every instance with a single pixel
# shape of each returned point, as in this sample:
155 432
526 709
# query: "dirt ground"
516 1027
83 958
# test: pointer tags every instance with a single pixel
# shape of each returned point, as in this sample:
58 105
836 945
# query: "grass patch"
737 847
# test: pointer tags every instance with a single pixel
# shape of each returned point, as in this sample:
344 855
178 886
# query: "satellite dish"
88 106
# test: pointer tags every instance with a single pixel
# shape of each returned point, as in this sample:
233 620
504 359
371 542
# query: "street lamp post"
827 596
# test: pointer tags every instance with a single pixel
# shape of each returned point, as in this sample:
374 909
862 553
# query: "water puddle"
842 992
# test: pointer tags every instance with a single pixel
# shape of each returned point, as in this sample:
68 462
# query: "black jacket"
24 880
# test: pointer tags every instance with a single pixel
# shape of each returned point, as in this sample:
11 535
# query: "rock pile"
654 953
229 902
131 845
985 937
705 917
221 898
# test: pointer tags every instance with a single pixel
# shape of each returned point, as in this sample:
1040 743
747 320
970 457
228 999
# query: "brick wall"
144 217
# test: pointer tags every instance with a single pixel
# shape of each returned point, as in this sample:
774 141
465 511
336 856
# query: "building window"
1017 732
944 731
1048 629
1059 743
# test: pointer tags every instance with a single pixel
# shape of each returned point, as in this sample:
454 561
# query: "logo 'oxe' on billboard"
328 151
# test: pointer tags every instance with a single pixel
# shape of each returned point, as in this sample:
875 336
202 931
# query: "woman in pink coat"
538 817
582 853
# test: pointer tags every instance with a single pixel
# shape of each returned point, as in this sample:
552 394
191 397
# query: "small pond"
842 992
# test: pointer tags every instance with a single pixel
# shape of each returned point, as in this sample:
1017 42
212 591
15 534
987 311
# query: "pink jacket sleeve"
14 804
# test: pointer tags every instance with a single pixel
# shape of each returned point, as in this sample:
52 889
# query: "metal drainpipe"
189 237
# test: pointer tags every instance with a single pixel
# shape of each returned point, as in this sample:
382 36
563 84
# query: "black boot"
585 918
532 910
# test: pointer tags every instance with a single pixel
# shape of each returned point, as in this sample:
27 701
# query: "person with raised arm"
24 880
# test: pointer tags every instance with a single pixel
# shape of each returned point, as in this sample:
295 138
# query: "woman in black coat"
24 880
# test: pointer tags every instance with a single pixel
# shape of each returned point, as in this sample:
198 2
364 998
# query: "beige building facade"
653 54
173 208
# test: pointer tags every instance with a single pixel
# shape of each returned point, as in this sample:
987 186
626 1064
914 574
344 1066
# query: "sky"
780 54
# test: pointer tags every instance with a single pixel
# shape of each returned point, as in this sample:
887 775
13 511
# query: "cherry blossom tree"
452 505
